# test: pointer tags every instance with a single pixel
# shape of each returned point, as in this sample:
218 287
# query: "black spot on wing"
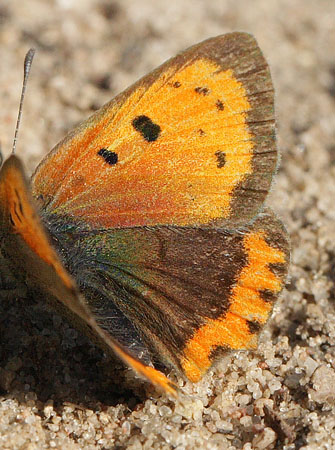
268 296
110 158
221 157
202 90
219 105
254 327
176 84
148 129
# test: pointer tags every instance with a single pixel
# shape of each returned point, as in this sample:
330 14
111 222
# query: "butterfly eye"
110 158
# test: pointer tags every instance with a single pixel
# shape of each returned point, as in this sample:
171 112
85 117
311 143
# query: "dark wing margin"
240 53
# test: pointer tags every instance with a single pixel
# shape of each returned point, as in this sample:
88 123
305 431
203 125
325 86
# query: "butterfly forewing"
191 143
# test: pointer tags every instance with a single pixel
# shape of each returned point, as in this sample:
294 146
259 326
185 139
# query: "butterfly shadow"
41 353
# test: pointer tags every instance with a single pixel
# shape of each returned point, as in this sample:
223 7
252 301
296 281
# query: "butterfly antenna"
28 60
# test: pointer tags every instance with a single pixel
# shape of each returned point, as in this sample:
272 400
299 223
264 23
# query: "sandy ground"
57 390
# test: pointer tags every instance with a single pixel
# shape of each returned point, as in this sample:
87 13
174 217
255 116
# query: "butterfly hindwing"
189 291
191 143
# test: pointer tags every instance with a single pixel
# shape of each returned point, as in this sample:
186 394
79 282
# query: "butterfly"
146 225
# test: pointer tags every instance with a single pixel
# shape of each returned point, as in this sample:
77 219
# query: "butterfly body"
144 223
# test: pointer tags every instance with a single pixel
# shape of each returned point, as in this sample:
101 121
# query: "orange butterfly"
145 224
